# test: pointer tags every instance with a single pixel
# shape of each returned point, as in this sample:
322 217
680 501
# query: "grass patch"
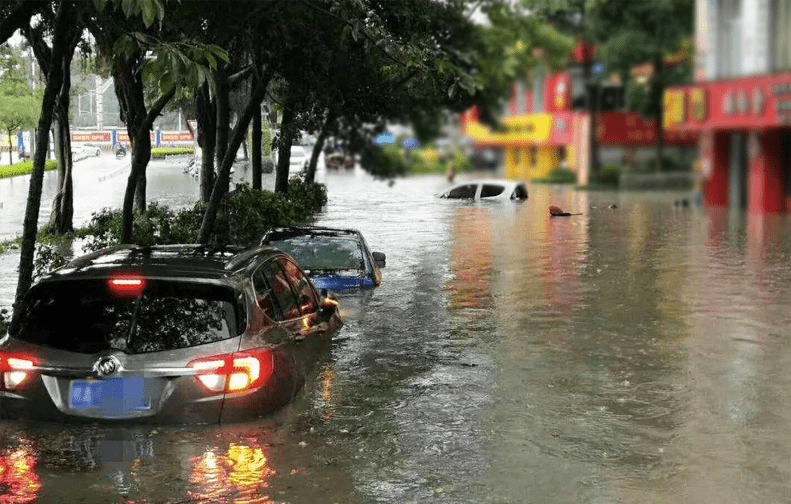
161 152
24 168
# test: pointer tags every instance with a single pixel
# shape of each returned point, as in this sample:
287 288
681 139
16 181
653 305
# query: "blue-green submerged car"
333 259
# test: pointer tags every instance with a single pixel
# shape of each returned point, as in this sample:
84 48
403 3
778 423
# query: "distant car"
334 259
336 161
163 334
497 190
81 151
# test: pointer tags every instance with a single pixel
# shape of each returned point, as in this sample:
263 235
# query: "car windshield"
339 254
86 316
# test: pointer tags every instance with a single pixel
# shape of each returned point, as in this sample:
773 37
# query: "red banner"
166 137
747 103
630 129
96 137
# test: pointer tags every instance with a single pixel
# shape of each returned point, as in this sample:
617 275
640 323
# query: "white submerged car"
487 190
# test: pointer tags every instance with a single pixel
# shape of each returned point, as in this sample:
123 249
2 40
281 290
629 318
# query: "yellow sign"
530 129
675 111
698 100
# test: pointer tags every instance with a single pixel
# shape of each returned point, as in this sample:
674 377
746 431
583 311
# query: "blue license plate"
113 396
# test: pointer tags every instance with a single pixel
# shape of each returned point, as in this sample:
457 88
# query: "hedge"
24 168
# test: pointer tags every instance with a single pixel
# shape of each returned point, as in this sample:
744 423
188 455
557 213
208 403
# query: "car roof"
500 182
178 262
292 231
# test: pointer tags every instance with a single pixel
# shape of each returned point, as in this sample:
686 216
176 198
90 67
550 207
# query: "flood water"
632 354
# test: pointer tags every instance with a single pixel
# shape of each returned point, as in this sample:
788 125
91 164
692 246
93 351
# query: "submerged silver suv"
164 334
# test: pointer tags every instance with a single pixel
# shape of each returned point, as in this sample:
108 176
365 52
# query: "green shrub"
462 162
669 164
384 162
243 218
25 168
559 175
161 152
608 176
266 139
419 165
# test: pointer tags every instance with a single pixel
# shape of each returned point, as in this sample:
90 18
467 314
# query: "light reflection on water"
629 354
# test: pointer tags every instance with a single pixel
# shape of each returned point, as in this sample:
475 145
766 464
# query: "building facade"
740 103
547 124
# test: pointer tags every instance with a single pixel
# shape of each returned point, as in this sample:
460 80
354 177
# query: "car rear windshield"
324 253
88 316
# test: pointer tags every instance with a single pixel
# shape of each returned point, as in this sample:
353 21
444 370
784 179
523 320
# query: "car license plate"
113 396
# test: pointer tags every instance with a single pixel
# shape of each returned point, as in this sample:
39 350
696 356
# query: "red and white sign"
95 137
747 103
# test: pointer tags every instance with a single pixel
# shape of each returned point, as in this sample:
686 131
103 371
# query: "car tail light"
127 285
236 372
15 371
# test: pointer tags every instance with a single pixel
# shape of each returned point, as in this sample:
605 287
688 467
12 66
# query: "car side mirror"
380 259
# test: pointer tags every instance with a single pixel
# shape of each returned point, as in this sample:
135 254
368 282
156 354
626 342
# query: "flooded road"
632 354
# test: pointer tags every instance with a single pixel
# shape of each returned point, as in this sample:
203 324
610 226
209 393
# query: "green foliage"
162 152
559 175
384 162
266 139
7 245
669 164
419 165
158 225
607 178
24 168
47 258
244 217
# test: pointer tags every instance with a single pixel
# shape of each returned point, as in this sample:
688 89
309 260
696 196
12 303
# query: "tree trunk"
54 81
256 149
592 100
223 176
284 147
138 126
223 113
207 137
10 148
659 117
310 176
61 215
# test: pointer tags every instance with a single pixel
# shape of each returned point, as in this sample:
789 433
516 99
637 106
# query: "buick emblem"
107 366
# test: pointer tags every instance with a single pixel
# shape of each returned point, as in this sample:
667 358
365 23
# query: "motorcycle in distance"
120 151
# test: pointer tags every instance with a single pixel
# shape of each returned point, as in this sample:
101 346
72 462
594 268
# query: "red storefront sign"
90 137
630 129
748 103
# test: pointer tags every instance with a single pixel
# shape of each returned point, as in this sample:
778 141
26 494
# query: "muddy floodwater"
632 354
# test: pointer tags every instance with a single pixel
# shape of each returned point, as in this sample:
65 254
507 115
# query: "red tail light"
127 285
236 372
15 371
